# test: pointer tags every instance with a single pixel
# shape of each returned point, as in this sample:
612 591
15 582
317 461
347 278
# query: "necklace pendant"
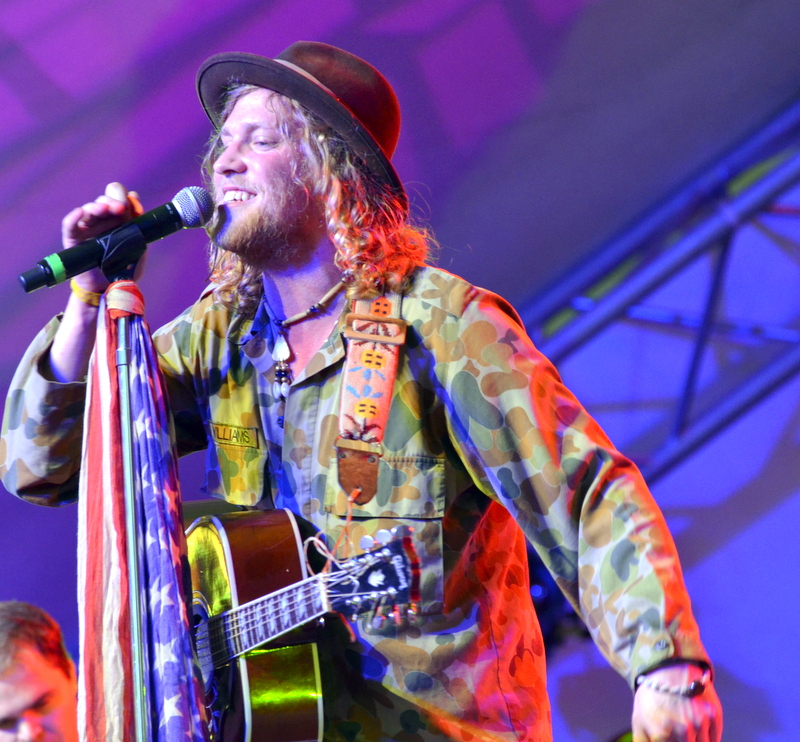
280 389
281 352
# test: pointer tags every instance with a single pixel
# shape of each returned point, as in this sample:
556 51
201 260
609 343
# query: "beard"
273 237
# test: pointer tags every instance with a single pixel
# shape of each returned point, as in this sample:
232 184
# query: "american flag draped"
172 689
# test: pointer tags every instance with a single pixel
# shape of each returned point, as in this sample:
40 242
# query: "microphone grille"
195 206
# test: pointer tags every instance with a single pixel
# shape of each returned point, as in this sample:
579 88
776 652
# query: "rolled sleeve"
42 430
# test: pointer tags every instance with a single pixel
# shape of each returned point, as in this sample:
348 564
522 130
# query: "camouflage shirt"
484 447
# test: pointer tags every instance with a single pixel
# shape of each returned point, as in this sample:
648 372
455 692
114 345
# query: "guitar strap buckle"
357 463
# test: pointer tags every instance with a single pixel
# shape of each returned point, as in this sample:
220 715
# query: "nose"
30 729
229 160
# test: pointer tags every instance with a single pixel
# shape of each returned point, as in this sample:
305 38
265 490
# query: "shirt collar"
257 334
243 329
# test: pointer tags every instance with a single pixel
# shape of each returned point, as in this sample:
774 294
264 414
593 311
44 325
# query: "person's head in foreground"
38 687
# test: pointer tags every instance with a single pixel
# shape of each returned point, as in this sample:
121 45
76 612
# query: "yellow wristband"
87 297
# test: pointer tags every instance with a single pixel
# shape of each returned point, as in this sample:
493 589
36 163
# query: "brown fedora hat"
346 92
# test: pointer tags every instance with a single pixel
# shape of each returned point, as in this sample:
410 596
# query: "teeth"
229 196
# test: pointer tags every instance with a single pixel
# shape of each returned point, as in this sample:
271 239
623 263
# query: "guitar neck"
378 580
240 630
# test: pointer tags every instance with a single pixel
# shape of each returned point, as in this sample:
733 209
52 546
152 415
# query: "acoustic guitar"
251 587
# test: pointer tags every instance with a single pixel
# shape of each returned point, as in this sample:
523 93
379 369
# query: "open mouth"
234 196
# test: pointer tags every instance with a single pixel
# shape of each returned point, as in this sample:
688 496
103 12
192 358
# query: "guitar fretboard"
240 630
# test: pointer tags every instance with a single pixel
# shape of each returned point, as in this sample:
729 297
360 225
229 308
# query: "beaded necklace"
281 352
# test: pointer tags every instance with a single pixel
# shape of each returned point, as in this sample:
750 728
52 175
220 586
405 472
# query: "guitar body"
272 693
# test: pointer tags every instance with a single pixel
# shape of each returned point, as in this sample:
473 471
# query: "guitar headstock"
380 580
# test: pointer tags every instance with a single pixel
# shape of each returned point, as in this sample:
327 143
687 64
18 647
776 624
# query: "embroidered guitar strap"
375 334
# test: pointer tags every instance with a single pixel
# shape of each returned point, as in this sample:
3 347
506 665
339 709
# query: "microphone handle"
114 250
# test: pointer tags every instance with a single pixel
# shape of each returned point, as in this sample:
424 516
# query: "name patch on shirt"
234 436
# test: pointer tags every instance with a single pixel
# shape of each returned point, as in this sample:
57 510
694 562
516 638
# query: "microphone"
118 248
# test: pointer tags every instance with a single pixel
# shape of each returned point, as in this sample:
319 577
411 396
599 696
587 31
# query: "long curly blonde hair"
377 248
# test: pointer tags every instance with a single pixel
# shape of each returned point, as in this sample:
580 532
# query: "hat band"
309 77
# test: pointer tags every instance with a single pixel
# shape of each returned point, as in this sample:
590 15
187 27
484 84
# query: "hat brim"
222 71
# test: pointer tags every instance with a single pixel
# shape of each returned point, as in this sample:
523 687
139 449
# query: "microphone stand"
116 267
132 512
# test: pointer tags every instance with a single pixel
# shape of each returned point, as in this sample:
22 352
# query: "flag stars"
171 709
164 596
165 652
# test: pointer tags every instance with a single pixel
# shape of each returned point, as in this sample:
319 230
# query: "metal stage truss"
749 190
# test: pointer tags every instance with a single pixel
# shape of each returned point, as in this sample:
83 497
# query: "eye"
43 704
8 724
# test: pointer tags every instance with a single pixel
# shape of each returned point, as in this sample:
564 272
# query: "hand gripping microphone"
122 246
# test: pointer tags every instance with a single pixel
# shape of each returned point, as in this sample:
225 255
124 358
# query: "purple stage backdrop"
533 130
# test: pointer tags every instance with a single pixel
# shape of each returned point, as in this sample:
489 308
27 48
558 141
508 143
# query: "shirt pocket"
411 492
235 464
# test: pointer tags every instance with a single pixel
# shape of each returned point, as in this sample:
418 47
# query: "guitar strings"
301 592
302 589
231 626
225 631
322 550
252 617
295 594
230 645
307 592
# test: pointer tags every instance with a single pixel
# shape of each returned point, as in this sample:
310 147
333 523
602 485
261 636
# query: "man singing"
483 446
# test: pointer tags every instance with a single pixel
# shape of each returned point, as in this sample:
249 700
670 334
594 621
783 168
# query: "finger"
639 733
703 730
696 730
102 208
135 203
88 220
129 199
111 201
117 191
715 729
71 219
117 196
82 217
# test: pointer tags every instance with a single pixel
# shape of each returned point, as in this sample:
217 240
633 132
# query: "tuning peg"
378 621
387 611
379 611
383 537
366 543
